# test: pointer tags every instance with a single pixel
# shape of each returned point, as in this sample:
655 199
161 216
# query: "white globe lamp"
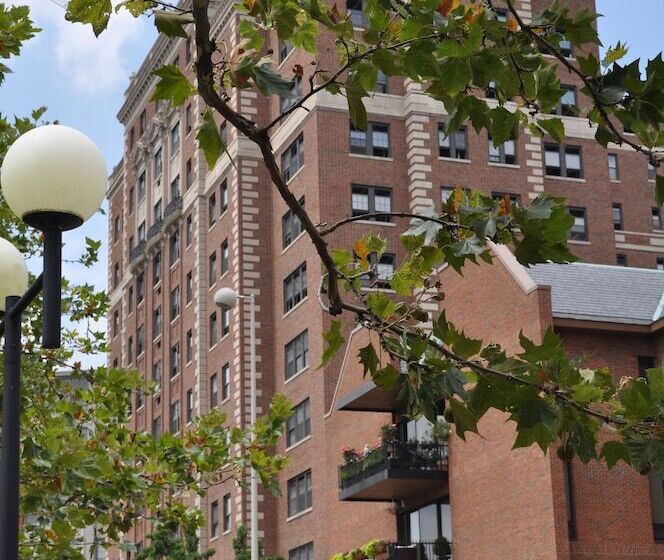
13 272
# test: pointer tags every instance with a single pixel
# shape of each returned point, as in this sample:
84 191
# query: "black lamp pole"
10 326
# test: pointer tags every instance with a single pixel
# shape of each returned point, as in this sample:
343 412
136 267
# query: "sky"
82 79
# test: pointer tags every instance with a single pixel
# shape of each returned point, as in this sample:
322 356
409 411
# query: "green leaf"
464 419
172 23
504 125
369 359
354 94
381 305
659 189
173 85
94 12
554 127
270 82
455 73
209 139
386 377
613 451
333 341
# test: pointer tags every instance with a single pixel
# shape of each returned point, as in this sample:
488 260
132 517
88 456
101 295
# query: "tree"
81 464
454 51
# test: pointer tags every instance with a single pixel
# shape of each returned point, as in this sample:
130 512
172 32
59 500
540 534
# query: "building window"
116 275
156 374
298 426
659 263
175 302
130 349
371 200
157 213
212 268
174 244
214 519
175 417
189 230
190 405
657 505
384 268
225 322
291 226
613 167
224 257
579 231
156 322
175 360
141 232
140 288
131 197
293 158
567 104
304 552
621 259
212 210
356 10
617 216
223 133
512 197
375 141
131 139
141 186
142 122
189 173
139 398
656 218
491 91
189 346
116 229
227 513
175 137
156 426
156 268
116 322
299 493
189 285
504 153
286 103
225 382
157 163
214 335
214 391
295 287
454 146
187 117
652 173
569 495
175 187
297 354
130 299
382 82
562 161
224 196
566 47
285 48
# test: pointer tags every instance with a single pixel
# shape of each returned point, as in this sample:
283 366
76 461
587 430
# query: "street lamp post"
53 178
226 298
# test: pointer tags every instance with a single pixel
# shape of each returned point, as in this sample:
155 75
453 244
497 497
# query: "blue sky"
82 80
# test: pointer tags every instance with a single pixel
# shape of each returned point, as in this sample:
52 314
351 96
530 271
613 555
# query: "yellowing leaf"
512 25
361 249
446 6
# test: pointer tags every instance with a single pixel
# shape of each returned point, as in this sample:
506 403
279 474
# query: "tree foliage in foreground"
455 51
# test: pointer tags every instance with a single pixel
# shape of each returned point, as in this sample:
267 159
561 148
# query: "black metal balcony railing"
154 229
137 252
173 206
404 456
438 550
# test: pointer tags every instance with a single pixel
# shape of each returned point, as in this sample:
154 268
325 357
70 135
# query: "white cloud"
89 64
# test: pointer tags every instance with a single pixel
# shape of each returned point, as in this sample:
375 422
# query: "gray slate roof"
603 293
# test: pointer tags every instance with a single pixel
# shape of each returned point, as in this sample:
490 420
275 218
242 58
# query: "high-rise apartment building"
178 231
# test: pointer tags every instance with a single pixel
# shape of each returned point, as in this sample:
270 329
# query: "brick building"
178 231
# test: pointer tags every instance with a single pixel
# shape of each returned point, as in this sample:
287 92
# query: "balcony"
370 398
153 233
439 550
137 254
172 211
410 473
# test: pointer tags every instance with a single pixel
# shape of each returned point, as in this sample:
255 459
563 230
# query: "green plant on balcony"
369 551
389 434
440 431
442 548
350 455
